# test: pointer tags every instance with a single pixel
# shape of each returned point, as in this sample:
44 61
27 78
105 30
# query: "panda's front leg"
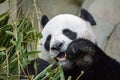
79 54
73 50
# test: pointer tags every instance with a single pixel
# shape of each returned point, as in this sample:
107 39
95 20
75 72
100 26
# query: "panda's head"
61 30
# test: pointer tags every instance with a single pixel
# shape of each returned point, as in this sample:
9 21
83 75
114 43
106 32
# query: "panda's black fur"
88 57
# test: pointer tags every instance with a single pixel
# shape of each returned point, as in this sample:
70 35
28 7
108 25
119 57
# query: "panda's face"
60 31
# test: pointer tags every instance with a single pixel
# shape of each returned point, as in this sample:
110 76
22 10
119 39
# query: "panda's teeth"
61 59
61 56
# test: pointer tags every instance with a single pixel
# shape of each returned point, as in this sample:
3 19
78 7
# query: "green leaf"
39 35
30 53
31 31
19 41
2 53
9 33
56 76
61 73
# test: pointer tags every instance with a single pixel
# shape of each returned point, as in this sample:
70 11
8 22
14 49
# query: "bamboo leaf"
31 31
39 35
9 33
19 41
61 73
30 53
2 53
56 76
69 78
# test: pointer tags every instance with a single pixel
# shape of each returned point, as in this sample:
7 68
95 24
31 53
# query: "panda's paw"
73 50
79 48
79 52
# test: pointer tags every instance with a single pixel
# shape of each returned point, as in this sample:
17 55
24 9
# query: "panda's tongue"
61 56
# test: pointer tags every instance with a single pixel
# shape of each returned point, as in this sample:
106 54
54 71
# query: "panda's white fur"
56 25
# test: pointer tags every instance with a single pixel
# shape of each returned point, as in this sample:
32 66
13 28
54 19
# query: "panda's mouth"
61 56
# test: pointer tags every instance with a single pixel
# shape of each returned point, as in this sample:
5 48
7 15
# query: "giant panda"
57 34
61 30
84 55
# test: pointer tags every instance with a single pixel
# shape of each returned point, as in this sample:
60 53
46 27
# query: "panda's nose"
57 46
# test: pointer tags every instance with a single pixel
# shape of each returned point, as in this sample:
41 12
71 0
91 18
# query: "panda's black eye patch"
47 42
70 34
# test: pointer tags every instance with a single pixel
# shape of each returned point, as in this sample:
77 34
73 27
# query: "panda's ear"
87 16
44 20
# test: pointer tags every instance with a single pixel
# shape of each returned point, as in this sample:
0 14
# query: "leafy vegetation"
18 42
51 73
14 40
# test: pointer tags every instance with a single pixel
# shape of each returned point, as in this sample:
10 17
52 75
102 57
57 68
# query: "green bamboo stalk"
43 72
38 18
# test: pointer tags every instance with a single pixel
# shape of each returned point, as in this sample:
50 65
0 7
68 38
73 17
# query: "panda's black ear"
44 20
87 16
